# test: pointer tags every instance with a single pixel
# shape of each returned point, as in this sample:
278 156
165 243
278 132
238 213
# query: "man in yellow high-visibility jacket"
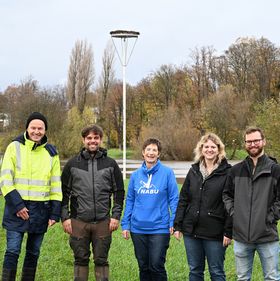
30 183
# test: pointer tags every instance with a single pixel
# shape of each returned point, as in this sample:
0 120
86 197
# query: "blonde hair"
215 139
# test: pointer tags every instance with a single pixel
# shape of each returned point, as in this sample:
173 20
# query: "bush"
70 140
176 133
267 117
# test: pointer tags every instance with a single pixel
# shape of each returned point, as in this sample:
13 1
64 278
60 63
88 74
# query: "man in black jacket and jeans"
252 197
89 180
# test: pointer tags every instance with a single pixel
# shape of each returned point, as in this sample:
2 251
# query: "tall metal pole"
124 35
124 113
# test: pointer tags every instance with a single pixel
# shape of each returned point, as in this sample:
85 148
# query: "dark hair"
152 141
251 130
92 129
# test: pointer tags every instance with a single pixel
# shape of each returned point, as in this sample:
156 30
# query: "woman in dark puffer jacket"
201 216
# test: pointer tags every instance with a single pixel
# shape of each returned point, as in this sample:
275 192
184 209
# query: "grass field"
116 153
56 260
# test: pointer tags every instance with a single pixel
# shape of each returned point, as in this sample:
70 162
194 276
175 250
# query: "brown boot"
80 273
8 274
28 274
102 273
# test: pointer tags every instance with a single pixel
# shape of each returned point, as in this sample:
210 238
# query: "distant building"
5 121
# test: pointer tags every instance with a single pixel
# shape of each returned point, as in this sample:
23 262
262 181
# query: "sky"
36 36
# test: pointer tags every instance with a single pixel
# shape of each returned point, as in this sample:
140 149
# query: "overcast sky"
36 36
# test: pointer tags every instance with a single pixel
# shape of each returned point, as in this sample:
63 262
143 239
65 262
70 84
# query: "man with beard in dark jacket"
252 198
88 181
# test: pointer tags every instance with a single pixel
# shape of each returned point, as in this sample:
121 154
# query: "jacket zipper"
200 198
251 203
93 191
201 190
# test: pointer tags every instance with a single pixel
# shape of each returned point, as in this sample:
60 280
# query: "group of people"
217 203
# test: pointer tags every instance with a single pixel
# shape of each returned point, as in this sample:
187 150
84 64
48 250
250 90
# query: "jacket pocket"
190 219
146 218
216 216
45 210
39 213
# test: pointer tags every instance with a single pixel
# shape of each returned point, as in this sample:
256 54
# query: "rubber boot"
9 274
102 273
80 273
28 274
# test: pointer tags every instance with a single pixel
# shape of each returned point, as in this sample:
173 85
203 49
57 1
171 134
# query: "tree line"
223 93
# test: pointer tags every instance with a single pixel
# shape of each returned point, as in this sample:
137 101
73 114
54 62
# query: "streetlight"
124 36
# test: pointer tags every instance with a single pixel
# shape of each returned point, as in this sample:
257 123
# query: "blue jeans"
14 241
150 251
197 250
244 257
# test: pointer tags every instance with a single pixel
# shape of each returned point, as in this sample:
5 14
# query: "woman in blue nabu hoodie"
151 203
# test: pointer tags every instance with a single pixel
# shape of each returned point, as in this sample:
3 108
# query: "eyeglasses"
250 142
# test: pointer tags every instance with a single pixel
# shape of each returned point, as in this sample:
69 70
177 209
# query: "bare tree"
108 74
115 111
21 101
27 97
29 86
241 63
202 71
164 84
104 88
222 71
254 67
80 74
266 62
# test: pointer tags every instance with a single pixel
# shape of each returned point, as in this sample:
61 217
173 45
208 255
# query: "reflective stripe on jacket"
32 172
30 177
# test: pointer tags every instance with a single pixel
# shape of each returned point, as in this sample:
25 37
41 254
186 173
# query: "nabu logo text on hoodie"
147 187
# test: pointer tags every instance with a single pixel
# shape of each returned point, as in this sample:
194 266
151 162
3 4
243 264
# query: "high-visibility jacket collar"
23 139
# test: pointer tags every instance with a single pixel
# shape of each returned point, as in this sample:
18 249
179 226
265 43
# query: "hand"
126 234
23 213
171 230
67 226
178 235
226 241
51 222
114 224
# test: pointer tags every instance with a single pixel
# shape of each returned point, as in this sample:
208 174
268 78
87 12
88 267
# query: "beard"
255 151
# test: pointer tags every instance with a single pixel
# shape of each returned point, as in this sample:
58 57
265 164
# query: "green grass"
240 154
116 153
56 259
